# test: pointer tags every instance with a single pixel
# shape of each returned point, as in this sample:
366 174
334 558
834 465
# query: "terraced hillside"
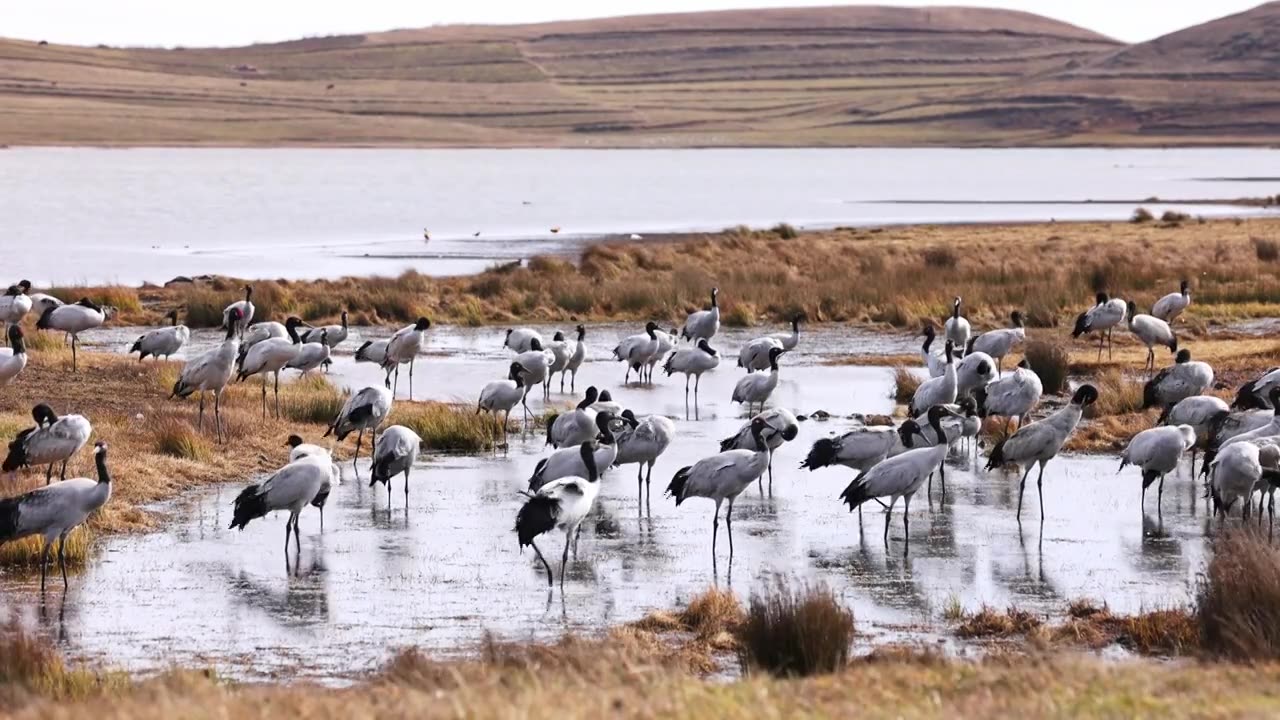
812 76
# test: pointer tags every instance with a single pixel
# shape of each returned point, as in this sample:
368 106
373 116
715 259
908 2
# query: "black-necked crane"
934 362
861 448
1040 441
1151 331
1169 307
1240 471
55 510
956 329
667 342
1157 452
210 372
755 354
372 351
755 388
974 371
566 461
692 362
270 357
261 331
53 440
561 351
298 450
365 410
722 477
331 335
560 504
643 444
312 353
535 362
1185 378
1013 396
999 343
15 303
941 390
575 426
239 321
291 488
1102 318
502 396
13 359
637 350
519 340
162 342
395 452
703 324
403 347
781 426
575 360
1201 412
74 319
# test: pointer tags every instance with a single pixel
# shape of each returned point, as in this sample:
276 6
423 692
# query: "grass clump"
1050 362
1174 217
991 623
1141 215
1238 598
176 437
940 256
26 553
740 314
1117 395
445 427
313 399
795 631
905 384
30 665
1265 249
785 231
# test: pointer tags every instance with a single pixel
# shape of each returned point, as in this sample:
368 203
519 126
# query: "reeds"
446 428
1238 597
795 631
313 399
175 437
905 384
27 552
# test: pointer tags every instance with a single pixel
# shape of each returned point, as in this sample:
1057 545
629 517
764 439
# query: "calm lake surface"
78 215
442 569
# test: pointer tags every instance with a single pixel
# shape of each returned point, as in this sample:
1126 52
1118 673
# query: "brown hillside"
807 76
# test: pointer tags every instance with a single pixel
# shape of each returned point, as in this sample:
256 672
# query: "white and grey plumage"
536 363
941 390
395 452
40 302
1012 396
244 313
502 396
520 340
1040 441
311 353
575 360
291 488
934 362
1102 318
975 370
260 331
780 425
1255 394
1238 472
703 324
13 359
755 354
365 410
403 347
1185 378
667 342
1169 307
15 303
53 440
298 450
606 403
1157 452
999 343
372 351
956 329
73 320
1151 331
1269 429
860 448
163 341
722 477
567 461
643 444
331 335
692 362
637 350
55 510
210 372
561 351
962 424
560 504
755 388
575 426
269 357
1224 426
899 476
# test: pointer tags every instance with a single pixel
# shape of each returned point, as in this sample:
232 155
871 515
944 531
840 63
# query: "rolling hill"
858 75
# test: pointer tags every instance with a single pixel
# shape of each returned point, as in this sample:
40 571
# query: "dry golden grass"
445 427
1238 597
27 552
1168 631
905 384
795 631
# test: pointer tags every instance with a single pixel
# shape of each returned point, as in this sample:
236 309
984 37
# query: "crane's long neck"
104 477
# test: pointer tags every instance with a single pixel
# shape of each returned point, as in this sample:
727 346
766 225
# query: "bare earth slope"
809 76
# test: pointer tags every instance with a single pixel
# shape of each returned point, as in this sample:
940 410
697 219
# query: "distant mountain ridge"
834 76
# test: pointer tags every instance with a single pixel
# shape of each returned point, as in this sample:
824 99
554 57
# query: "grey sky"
235 22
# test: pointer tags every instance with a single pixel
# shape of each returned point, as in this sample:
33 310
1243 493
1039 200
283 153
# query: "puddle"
446 568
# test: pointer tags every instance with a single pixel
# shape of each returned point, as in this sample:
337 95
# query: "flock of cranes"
965 384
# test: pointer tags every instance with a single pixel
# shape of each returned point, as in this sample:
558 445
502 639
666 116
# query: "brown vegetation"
1169 631
1238 597
1049 361
795 631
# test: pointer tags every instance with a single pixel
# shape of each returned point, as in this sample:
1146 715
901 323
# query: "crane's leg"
48 474
506 418
411 376
63 474
1110 344
715 530
697 380
728 522
1102 340
545 564
44 562
286 536
406 488
564 559
277 390
217 412
577 535
1021 487
62 559
888 513
648 488
322 517
1160 496
264 396
561 382
770 474
297 536
1040 487
356 458
573 382
200 417
74 342
639 487
686 390
906 524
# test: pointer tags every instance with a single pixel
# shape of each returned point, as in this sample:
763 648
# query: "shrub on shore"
1050 362
795 631
1238 597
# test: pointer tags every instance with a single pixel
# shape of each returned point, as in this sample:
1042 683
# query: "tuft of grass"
175 437
45 341
1117 395
991 623
1174 217
940 256
795 632
27 552
444 427
1266 249
785 231
953 611
313 399
740 314
1141 215
32 664
1238 598
905 384
1050 362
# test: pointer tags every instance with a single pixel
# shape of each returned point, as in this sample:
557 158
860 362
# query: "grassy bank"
895 276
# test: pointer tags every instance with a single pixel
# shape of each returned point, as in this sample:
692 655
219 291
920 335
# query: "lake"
88 215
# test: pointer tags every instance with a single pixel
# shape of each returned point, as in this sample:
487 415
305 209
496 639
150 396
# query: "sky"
240 22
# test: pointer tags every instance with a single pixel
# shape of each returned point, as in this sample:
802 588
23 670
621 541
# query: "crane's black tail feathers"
9 519
678 483
249 505
17 456
380 473
1082 325
137 347
535 481
536 516
822 454
729 443
997 455
856 493
1247 398
320 499
1148 477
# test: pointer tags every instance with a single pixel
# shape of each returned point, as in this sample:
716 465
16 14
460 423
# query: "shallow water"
89 215
442 568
